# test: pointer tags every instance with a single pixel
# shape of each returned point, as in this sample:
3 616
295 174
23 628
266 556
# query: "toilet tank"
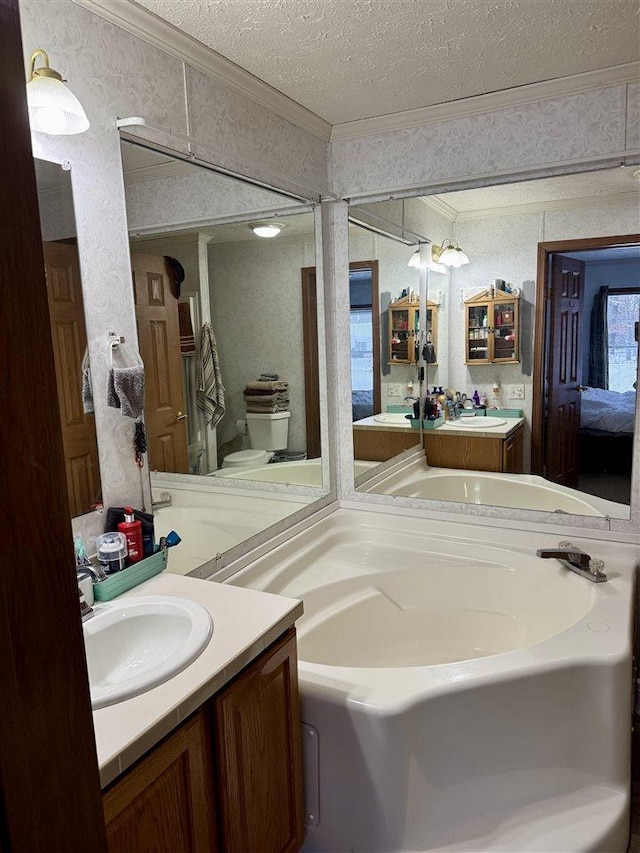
268 431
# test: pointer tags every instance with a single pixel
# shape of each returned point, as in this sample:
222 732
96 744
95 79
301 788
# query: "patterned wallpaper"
535 136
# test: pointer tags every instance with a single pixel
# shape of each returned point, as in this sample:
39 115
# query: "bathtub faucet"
577 560
163 500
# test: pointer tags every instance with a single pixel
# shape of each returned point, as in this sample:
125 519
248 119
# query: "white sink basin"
137 643
396 418
477 423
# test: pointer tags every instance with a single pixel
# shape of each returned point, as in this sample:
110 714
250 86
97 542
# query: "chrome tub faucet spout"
576 560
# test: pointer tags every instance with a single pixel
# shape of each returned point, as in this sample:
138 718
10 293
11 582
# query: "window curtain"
599 341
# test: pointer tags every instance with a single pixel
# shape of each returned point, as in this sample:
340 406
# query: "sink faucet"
577 560
86 611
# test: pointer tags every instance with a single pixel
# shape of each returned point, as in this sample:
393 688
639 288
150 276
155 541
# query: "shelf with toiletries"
492 328
404 332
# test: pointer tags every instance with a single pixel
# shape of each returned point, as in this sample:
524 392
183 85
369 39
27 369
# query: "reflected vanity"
550 453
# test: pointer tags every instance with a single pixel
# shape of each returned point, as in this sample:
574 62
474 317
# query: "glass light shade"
451 255
267 230
53 108
414 260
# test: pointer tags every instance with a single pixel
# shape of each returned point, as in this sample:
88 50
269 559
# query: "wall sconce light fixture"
414 261
53 108
267 229
449 254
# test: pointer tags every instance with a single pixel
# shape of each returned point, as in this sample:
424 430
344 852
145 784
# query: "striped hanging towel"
210 390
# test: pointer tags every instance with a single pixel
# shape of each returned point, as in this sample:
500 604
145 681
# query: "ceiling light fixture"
266 229
449 254
53 108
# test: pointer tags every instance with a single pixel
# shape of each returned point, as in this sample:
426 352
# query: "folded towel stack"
266 397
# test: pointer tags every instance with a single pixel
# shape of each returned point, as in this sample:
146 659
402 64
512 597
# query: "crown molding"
143 24
545 206
617 75
441 207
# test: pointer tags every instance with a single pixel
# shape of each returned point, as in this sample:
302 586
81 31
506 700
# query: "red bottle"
132 530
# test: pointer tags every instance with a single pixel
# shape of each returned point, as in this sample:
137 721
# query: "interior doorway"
586 349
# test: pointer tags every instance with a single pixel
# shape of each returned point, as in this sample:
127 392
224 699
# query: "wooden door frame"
50 795
545 250
311 365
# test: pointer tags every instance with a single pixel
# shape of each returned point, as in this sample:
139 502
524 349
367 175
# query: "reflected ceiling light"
449 254
414 261
53 108
266 229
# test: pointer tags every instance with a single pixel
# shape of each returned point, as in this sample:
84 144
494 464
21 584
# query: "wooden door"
49 784
69 337
159 342
165 802
259 756
564 371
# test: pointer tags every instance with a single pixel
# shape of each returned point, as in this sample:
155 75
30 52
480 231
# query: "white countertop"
371 423
502 431
245 622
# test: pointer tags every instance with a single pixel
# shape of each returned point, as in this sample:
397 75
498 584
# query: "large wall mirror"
69 336
225 300
542 422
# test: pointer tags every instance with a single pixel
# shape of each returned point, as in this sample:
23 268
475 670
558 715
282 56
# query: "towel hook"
115 340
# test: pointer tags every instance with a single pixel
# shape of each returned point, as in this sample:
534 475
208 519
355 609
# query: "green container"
505 413
415 422
432 424
399 410
122 581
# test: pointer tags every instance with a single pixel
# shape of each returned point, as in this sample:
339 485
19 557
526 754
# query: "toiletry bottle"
132 530
476 398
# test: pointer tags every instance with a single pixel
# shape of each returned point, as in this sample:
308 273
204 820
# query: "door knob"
582 388
181 417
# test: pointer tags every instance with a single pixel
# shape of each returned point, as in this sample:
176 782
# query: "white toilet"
267 433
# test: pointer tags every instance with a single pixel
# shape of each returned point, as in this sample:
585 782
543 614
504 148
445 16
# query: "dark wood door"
49 784
159 342
259 756
69 337
564 371
165 803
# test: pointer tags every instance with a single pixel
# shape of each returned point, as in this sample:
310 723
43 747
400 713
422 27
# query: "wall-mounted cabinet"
404 332
492 329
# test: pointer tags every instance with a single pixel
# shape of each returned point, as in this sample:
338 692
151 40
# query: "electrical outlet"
516 392
395 390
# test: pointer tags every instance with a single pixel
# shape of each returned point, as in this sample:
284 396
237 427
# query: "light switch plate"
516 392
395 390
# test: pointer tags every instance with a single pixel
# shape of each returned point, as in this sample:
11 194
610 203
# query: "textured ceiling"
353 59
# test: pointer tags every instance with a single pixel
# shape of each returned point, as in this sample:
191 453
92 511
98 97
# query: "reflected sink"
477 423
396 418
137 643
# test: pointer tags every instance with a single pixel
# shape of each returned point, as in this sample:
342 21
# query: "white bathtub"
304 473
457 694
211 521
530 491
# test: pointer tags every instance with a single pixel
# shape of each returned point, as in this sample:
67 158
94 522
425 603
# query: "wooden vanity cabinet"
229 779
475 452
258 752
166 801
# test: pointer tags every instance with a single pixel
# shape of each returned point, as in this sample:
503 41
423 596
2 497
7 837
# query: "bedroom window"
623 310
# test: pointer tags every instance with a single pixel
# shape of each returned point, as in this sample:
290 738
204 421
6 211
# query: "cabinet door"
400 335
512 453
259 755
165 803
478 333
505 332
